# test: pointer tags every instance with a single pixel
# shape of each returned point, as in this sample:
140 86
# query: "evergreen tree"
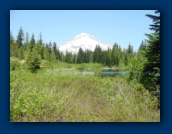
74 58
120 55
47 53
108 58
69 57
103 57
62 58
59 55
56 53
97 54
40 42
91 57
27 39
86 56
129 54
152 66
156 22
50 47
13 47
32 43
26 46
33 63
115 55
19 43
80 56
38 50
117 61
126 60
20 38
130 49
53 56
20 53
142 45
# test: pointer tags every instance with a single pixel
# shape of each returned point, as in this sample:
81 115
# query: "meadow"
59 93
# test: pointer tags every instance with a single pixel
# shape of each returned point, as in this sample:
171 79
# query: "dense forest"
143 66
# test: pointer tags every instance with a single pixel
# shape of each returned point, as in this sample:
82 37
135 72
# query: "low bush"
14 65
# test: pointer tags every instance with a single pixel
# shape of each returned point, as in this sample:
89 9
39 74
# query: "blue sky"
108 26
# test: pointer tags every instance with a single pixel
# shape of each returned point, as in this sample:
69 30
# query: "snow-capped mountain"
84 41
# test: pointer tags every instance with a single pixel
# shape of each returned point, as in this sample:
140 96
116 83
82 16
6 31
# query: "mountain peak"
83 34
84 41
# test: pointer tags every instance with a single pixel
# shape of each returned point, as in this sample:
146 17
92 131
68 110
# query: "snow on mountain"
84 41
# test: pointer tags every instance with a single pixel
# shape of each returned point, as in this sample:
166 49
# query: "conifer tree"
26 46
33 63
59 55
13 47
55 51
74 58
91 57
152 66
109 58
40 43
53 56
142 45
97 54
125 60
21 53
20 38
130 49
32 43
80 56
38 50
47 53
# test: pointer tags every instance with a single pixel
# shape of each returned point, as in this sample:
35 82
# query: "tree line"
24 48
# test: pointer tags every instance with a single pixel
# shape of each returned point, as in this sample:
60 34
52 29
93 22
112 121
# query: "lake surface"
110 72
113 72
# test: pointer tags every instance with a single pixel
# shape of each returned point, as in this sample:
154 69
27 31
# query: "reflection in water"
113 73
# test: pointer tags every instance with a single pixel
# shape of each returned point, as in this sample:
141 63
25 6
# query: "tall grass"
59 95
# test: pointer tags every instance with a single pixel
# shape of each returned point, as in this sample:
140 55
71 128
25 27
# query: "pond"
113 72
110 72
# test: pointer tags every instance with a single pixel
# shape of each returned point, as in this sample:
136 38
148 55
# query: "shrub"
14 64
33 63
64 95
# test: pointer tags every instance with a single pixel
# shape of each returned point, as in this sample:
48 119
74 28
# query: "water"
111 72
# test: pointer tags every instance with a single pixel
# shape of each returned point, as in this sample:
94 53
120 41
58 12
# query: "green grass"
85 66
63 95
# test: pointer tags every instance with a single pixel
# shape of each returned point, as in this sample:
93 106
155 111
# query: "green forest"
46 84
